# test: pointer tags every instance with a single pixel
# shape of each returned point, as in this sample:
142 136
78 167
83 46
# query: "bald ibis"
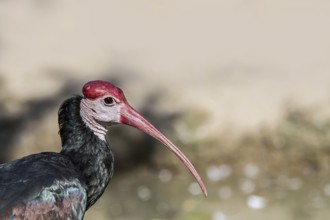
64 185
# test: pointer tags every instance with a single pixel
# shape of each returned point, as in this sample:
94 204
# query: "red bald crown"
98 88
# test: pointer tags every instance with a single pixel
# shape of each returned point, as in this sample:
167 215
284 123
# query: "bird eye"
109 101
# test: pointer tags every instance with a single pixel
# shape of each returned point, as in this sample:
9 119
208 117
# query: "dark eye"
109 101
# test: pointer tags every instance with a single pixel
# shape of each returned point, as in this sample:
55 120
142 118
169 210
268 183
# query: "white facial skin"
100 113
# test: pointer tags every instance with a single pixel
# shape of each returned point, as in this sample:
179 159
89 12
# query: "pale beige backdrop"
240 62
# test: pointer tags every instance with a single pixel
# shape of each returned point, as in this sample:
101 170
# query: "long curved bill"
130 116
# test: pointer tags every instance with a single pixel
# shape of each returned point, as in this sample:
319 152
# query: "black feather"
58 185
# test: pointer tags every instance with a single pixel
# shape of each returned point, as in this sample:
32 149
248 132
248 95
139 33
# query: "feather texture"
58 185
41 186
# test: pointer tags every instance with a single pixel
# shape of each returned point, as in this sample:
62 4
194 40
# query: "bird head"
106 104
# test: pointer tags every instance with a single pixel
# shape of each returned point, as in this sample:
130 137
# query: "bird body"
52 182
28 193
65 185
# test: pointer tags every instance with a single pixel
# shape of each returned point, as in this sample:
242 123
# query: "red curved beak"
130 116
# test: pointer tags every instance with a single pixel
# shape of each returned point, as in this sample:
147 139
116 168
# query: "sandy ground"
239 61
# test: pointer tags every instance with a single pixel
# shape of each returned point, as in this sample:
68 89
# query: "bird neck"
92 155
87 116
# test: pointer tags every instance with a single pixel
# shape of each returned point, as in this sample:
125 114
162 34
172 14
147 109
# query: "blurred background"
242 87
